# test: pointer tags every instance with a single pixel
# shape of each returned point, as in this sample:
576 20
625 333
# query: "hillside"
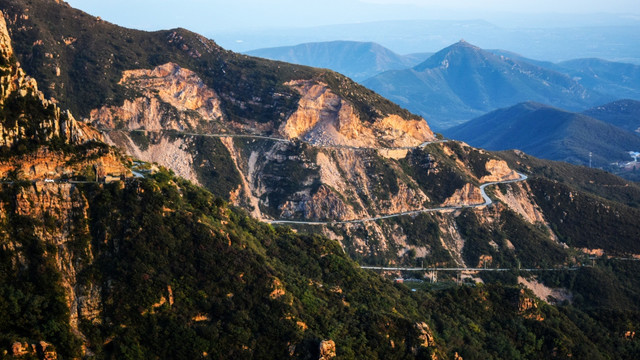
147 265
616 79
622 113
549 133
620 80
357 60
462 81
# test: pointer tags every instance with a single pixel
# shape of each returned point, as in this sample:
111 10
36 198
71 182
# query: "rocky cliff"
325 119
17 90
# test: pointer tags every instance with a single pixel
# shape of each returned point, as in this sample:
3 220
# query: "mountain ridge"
357 60
462 81
622 113
550 133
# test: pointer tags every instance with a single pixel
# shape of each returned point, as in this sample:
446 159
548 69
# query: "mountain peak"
461 51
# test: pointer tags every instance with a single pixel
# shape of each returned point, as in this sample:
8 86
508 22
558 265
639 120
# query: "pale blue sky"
206 16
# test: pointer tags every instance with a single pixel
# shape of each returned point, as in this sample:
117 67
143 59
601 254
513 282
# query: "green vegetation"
530 246
223 269
32 300
580 178
227 273
214 166
436 174
585 221
141 139
92 65
293 173
384 178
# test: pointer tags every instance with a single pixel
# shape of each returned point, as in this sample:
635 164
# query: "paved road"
264 137
53 181
487 201
385 268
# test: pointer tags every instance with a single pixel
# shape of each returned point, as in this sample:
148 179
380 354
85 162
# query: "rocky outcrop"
325 119
45 164
468 195
545 293
327 350
326 204
16 86
172 98
528 307
516 198
425 335
170 152
42 350
65 204
499 171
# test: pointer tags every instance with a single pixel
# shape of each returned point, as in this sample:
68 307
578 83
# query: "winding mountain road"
273 138
387 268
487 201
486 198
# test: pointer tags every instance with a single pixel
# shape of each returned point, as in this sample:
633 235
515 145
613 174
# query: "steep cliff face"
169 97
45 223
325 119
64 210
19 93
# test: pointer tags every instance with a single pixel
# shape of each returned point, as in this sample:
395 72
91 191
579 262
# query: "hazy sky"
207 16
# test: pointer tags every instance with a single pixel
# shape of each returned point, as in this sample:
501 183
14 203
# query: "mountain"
551 37
357 60
620 80
140 263
463 81
152 266
549 133
622 113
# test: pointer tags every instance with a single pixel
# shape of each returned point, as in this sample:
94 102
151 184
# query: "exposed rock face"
499 171
15 84
545 293
324 118
468 195
167 151
327 350
278 289
6 50
45 164
516 199
425 334
64 204
528 307
163 88
325 204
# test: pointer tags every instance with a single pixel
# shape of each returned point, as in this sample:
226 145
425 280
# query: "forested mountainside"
144 264
550 133
622 113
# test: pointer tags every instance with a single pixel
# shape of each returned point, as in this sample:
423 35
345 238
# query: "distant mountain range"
560 39
549 133
463 81
358 60
621 113
620 80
